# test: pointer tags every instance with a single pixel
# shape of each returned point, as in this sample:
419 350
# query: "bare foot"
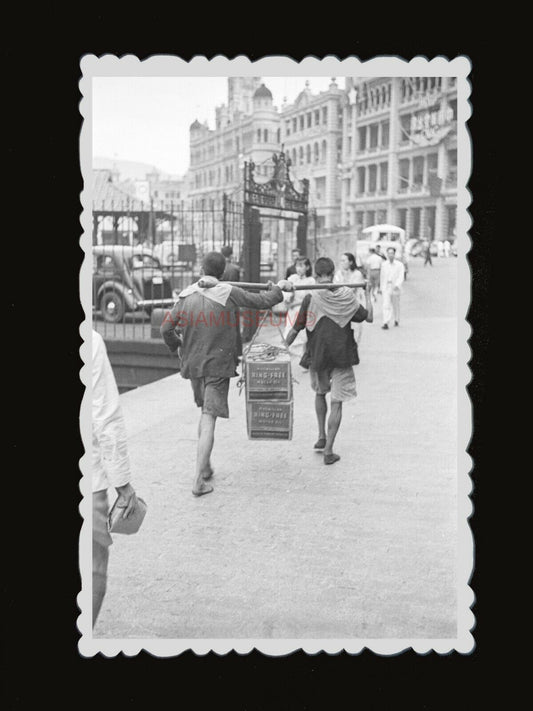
320 443
202 489
209 473
331 458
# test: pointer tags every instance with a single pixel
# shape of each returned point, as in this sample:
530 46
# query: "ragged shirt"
330 340
204 323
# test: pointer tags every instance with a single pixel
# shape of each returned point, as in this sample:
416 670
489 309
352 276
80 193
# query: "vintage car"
126 279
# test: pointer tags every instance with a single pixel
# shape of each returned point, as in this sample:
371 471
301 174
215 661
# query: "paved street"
287 547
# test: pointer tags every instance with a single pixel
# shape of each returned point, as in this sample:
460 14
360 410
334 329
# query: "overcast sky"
147 119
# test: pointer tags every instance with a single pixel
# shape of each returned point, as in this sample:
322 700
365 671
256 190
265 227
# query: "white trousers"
391 304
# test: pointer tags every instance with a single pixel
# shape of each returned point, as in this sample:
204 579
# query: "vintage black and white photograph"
275 418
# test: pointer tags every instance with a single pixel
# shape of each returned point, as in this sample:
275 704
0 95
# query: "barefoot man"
204 325
331 350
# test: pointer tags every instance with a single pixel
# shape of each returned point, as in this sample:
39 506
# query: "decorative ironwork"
278 192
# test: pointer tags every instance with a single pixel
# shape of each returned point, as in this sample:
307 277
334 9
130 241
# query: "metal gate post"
301 234
252 260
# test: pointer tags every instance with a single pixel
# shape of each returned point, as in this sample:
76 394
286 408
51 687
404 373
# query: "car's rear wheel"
112 307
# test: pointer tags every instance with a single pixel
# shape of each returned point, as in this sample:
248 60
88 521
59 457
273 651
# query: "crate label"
268 376
269 416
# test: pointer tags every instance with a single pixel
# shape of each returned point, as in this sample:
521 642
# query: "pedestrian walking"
428 259
373 265
331 350
392 278
292 268
110 463
203 326
231 270
294 300
349 273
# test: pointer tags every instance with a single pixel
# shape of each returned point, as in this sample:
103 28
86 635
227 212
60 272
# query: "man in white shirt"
392 278
111 465
373 264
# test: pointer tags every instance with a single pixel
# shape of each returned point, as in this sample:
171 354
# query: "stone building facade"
311 130
399 155
247 128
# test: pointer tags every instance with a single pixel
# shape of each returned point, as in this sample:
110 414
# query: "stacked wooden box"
269 398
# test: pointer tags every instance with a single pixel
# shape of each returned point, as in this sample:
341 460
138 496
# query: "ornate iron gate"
278 195
276 199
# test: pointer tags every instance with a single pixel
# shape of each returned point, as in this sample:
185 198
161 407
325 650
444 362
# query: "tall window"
382 217
405 128
430 221
302 124
316 153
360 180
402 218
301 155
370 218
324 151
265 135
383 177
294 125
403 175
453 106
317 117
374 135
325 114
385 132
452 220
278 136
294 157
309 119
451 177
288 128
259 135
433 162
418 171
308 153
415 222
362 138
372 178
359 217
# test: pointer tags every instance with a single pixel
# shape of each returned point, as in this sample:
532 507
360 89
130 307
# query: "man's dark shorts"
211 394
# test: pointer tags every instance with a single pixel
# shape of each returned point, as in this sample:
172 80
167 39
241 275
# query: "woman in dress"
294 301
350 273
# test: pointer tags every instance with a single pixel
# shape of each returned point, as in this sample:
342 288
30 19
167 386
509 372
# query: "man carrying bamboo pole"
204 324
331 349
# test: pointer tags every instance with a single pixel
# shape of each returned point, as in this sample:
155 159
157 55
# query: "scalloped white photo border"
169 65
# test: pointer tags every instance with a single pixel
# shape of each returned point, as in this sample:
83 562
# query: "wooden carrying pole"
298 287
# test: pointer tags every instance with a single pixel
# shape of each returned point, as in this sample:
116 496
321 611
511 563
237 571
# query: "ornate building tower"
240 94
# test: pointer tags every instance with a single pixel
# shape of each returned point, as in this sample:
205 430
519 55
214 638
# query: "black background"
40 657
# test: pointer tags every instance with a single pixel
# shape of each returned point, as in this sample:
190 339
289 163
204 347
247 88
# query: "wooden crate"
269 419
268 383
269 380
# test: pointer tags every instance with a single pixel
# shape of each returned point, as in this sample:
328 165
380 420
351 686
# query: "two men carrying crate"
203 324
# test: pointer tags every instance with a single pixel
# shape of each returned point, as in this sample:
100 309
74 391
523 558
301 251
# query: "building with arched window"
247 129
399 155
310 130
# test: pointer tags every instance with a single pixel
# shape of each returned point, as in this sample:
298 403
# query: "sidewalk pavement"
286 547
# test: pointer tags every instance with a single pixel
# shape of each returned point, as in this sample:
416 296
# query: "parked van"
385 236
